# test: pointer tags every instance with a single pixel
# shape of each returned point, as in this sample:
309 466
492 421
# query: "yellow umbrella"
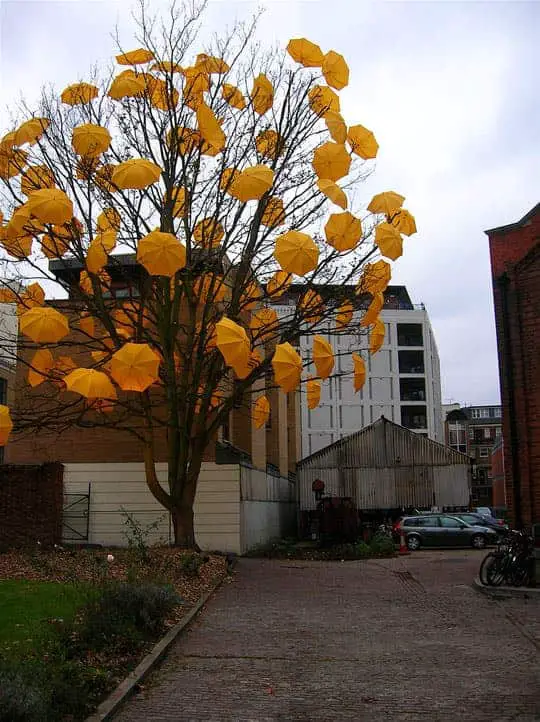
63 366
55 242
161 254
376 337
135 367
211 287
90 140
389 241
44 325
36 177
109 219
376 277
333 192
90 383
197 80
305 52
165 66
404 222
7 295
264 325
19 247
136 173
209 128
208 232
31 131
287 366
35 295
86 167
135 57
335 70
12 165
388 203
323 100
359 371
233 96
179 201
374 308
185 139
96 258
243 371
252 183
87 324
211 64
344 314
233 343
250 296
274 213
343 231
51 205
269 144
296 252
106 239
6 424
331 161
261 412
323 357
40 365
362 142
126 85
278 284
262 94
79 93
103 178
311 305
336 126
313 393
163 97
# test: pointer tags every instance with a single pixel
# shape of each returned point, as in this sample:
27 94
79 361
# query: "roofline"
502 230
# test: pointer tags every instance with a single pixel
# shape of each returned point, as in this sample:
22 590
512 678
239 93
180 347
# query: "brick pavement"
402 639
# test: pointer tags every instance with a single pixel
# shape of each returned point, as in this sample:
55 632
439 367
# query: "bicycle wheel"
491 570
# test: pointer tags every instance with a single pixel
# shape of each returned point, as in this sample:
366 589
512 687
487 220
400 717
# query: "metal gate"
76 517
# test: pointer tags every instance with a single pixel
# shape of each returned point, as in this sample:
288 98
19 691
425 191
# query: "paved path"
399 639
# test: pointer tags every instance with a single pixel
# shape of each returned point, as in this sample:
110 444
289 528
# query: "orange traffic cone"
402 545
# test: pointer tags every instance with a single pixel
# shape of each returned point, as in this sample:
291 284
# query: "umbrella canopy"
208 232
254 360
251 296
31 131
404 222
336 126
7 295
96 257
40 365
135 367
44 324
389 241
103 177
163 97
333 192
85 282
90 140
374 308
269 144
165 66
161 254
376 277
335 70
287 366
79 93
252 183
344 314
233 96
261 412
126 85
362 142
6 424
87 324
323 357
305 52
233 343
343 231
209 128
262 94
106 239
136 173
63 366
35 295
228 179
211 287
331 161
313 393
51 205
388 203
90 383
264 325
278 284
323 100
55 242
296 252
135 57
211 64
179 201
274 213
109 219
359 371
311 306
376 337
35 178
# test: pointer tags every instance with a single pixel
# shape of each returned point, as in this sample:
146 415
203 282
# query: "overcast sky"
448 89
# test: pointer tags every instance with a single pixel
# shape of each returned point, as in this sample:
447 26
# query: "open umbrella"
31 131
136 173
79 93
135 367
252 183
404 222
359 371
305 52
135 57
233 96
85 282
126 85
287 366
7 295
296 252
35 178
185 139
103 177
261 412
263 325
40 365
333 192
90 383
233 343
6 424
12 163
323 100
209 128
55 242
278 284
331 161
362 142
106 239
211 64
335 70
163 96
161 254
109 219
262 94
87 324
210 286
35 295
376 277
90 140
19 247
251 296
313 393
389 241
254 360
269 144
274 213
374 308
44 324
343 231
63 366
51 205
336 126
179 201
311 306
344 314
388 203
166 66
208 232
323 357
376 337
96 257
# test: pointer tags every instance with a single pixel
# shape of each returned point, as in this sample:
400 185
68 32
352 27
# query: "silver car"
443 530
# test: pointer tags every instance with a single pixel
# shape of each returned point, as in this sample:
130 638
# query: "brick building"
515 267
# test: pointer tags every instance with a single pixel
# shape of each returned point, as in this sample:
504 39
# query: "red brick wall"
497 470
507 248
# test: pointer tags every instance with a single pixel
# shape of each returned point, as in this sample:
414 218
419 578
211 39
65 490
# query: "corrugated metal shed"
386 466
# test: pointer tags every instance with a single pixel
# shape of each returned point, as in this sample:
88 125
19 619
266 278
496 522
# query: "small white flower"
110 558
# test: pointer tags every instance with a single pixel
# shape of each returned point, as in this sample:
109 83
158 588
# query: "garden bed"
379 546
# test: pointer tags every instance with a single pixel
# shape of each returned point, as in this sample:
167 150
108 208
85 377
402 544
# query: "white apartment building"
403 380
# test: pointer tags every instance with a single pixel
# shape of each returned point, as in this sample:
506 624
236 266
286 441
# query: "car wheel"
413 542
478 541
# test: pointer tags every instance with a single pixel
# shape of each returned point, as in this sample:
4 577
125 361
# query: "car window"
471 518
449 523
428 521
410 521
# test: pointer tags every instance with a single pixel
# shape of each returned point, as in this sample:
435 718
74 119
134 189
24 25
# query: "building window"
487 433
484 451
498 432
471 433
3 392
410 334
484 413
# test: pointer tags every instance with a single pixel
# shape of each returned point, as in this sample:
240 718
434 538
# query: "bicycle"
511 563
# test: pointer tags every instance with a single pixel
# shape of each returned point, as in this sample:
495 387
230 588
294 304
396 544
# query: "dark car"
480 520
443 530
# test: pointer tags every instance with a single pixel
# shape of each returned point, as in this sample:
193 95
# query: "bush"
191 563
23 696
382 545
274 549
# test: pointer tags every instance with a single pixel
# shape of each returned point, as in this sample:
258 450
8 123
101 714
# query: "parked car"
479 520
442 530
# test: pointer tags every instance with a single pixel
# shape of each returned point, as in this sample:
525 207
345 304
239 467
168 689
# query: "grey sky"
448 89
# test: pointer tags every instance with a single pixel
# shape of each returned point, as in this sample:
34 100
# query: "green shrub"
191 563
274 549
23 696
382 545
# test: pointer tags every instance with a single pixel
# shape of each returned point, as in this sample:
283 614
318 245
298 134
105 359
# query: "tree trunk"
184 532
